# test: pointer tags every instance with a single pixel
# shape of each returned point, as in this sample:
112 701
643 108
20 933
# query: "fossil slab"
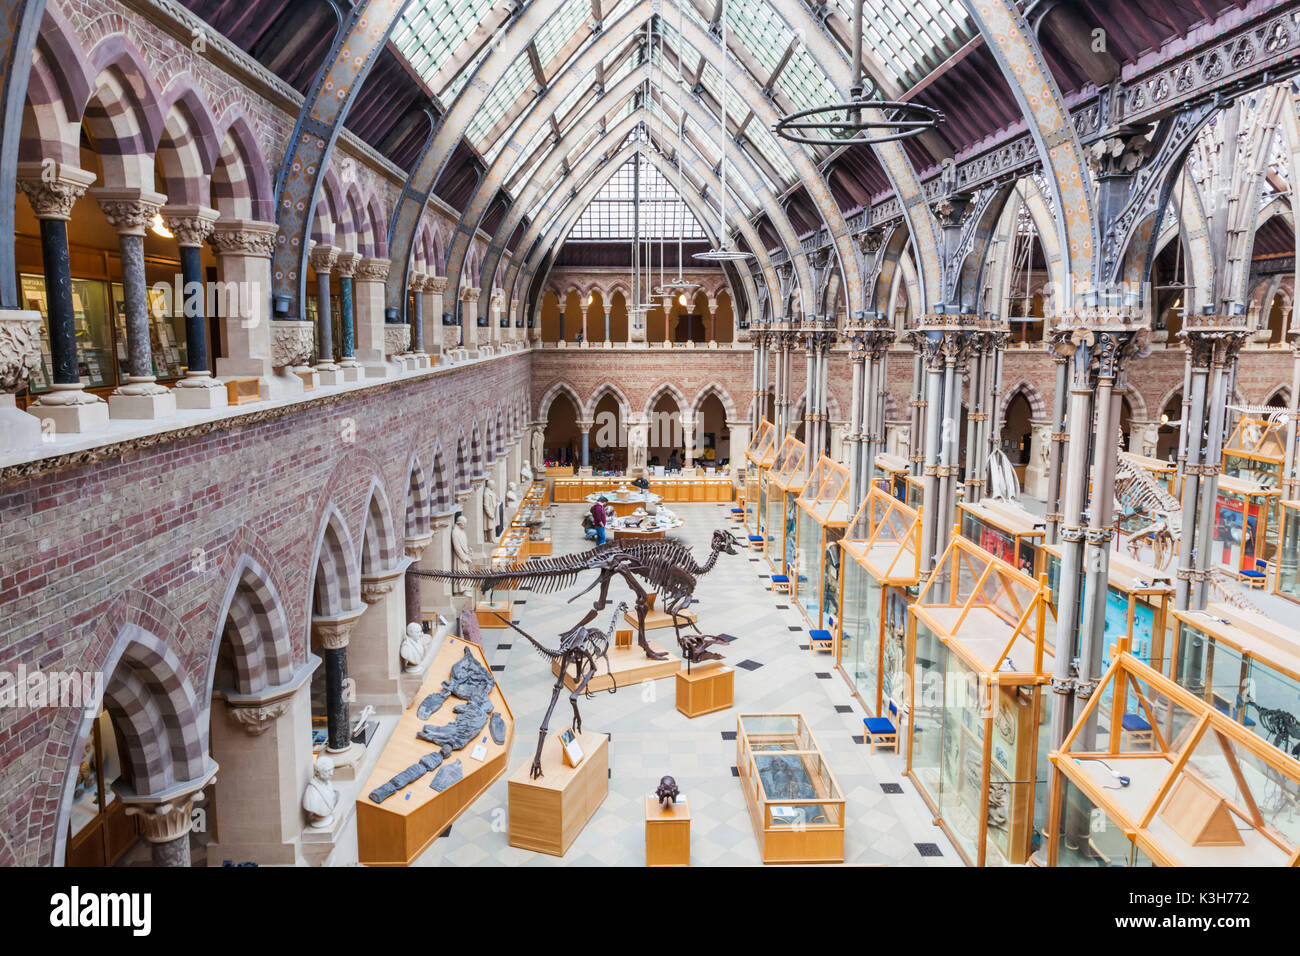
470 718
497 728
414 772
447 775
468 679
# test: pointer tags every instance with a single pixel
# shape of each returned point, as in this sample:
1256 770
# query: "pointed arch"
477 459
188 149
662 389
1038 408
417 521
380 548
253 623
723 396
557 389
607 388
123 115
241 179
336 577
462 475
441 482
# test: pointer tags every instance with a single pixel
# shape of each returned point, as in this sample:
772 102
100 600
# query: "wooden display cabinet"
395 832
877 580
705 690
1286 570
823 514
785 482
795 804
1245 527
1199 788
547 814
1005 530
758 456
1163 473
667 832
1256 451
890 473
975 719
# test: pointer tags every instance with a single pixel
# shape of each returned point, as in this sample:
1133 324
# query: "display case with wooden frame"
758 455
1005 530
1201 790
1138 601
1256 450
795 804
1245 665
1286 571
785 481
975 717
821 519
494 607
889 473
1164 473
877 578
396 831
1245 525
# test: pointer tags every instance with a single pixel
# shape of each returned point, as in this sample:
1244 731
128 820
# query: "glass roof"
912 37
612 212
428 33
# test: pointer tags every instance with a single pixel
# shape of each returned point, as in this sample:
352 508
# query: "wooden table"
667 833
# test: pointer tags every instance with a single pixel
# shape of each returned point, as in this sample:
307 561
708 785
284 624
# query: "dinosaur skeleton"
583 648
1137 493
1282 727
667 566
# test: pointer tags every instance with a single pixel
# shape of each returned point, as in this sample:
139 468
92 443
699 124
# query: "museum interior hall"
649 433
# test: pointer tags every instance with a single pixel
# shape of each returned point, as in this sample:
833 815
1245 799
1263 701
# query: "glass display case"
758 455
1164 473
1185 786
1244 531
795 804
1005 530
494 606
823 514
97 366
786 479
879 573
889 473
1256 450
1286 578
975 718
1245 665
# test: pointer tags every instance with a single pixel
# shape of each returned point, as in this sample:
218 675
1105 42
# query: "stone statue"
462 557
489 511
320 798
526 472
904 441
412 649
636 450
537 447
1150 440
512 496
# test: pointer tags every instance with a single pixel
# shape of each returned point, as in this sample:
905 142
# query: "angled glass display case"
889 472
758 455
786 479
1286 579
976 719
1245 531
1256 450
1245 665
877 583
795 804
823 515
1191 788
1005 530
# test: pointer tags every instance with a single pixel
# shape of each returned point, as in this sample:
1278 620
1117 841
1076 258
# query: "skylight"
611 214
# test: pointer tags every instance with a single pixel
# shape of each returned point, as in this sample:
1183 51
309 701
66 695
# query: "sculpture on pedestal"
412 648
320 797
526 472
462 558
512 496
490 519
667 792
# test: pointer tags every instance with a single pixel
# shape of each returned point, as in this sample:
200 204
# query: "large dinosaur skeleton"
1137 493
582 648
666 566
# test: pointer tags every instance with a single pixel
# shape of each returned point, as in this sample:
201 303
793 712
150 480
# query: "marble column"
244 248
191 226
167 818
323 260
346 267
333 635
415 548
418 357
368 290
712 319
584 427
130 211
688 442
434 288
469 297
68 408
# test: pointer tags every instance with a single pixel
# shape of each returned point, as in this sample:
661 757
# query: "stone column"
434 287
130 211
415 548
368 302
52 191
192 226
688 441
168 817
496 332
419 358
266 759
323 259
346 267
712 318
374 659
20 356
585 428
334 633
244 248
469 297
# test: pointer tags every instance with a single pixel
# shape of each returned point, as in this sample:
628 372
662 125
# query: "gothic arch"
252 617
335 575
714 388
662 389
607 388
558 388
1038 409
380 546
417 520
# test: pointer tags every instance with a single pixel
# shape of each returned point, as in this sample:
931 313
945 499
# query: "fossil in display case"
414 772
497 728
447 775
470 718
468 679
667 791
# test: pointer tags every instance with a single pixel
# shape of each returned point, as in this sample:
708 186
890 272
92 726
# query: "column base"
200 391
351 370
18 430
329 375
149 406
347 762
284 384
71 410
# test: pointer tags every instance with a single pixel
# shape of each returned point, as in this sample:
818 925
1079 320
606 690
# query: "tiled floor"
650 738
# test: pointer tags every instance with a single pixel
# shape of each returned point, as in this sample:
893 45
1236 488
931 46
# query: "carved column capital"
191 225
373 270
53 188
334 632
256 718
345 264
129 211
166 816
323 258
436 284
243 237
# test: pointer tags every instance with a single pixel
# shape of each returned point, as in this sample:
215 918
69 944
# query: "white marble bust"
320 798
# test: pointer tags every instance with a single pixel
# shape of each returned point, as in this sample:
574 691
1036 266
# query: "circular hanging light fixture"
726 251
865 118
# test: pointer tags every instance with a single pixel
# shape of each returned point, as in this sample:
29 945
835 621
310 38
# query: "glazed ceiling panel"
428 33
911 38
611 215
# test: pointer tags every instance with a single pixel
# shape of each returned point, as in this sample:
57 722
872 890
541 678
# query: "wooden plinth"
667 833
395 832
656 619
488 618
547 814
706 690
627 666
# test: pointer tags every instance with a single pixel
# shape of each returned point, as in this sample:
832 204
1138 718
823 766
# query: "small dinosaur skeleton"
1137 493
583 648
